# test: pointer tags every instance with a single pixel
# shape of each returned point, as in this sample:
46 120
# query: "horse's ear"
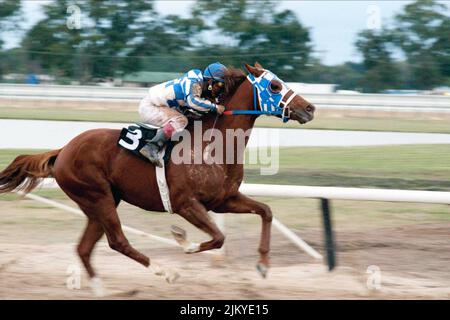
257 65
253 70
249 68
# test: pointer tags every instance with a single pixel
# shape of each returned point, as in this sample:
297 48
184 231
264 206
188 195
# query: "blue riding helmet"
215 71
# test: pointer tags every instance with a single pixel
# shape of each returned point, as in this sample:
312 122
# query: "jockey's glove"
219 109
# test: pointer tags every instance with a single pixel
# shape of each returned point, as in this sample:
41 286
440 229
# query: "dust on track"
37 246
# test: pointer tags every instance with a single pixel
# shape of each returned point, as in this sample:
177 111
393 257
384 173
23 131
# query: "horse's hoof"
156 269
181 237
97 287
179 234
262 269
169 275
192 248
172 276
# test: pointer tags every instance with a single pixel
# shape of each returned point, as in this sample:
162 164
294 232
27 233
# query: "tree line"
122 36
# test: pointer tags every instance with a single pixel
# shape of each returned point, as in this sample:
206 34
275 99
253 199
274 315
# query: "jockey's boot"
153 147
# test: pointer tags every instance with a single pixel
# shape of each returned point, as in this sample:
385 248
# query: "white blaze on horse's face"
275 98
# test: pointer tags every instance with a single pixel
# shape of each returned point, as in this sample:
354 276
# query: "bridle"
265 101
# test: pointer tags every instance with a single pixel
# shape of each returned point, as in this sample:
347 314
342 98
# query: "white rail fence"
357 194
325 194
380 102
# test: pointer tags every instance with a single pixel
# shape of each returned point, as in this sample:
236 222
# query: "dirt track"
37 247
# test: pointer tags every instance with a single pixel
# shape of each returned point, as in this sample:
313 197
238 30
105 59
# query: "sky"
333 24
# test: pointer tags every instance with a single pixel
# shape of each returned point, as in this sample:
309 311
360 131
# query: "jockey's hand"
220 109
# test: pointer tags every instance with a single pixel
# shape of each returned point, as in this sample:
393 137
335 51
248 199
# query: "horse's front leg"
196 213
243 204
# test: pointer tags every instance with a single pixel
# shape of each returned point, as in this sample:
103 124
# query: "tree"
118 27
347 75
9 11
257 31
166 44
114 35
422 32
442 50
380 71
50 44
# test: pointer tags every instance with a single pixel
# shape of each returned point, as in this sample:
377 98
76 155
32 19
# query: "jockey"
164 103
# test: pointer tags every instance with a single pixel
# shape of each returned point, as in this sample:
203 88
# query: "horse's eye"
275 87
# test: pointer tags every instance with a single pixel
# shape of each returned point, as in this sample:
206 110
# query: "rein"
240 112
213 127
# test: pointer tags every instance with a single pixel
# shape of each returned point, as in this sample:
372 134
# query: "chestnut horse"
97 174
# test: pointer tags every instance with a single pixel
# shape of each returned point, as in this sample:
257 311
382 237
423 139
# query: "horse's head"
276 98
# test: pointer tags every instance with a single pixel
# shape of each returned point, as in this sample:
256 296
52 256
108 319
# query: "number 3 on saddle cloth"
135 136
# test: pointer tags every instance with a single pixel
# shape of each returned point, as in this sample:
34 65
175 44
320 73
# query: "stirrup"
145 151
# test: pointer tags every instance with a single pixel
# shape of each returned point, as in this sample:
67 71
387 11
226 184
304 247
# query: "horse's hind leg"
92 234
106 213
197 214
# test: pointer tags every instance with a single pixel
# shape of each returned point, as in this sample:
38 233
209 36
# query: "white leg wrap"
156 269
97 287
192 247
169 275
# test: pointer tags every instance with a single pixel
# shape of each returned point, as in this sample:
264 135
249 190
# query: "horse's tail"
27 171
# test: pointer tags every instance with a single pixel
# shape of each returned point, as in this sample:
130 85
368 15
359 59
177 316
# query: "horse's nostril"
310 109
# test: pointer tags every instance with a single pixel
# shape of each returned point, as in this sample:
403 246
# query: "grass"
364 124
349 123
304 214
8 155
68 114
298 214
422 167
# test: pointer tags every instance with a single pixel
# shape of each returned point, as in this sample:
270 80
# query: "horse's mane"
233 79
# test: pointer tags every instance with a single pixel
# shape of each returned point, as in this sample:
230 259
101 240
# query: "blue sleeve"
192 86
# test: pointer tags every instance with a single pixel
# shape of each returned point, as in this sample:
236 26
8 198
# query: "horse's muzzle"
304 115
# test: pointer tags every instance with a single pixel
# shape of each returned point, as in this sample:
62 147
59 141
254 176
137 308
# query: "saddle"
135 137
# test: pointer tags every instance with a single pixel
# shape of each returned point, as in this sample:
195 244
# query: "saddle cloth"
135 137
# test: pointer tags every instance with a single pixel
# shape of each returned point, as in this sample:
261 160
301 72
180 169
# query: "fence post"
329 238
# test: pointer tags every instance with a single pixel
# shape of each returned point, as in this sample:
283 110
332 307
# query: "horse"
97 175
